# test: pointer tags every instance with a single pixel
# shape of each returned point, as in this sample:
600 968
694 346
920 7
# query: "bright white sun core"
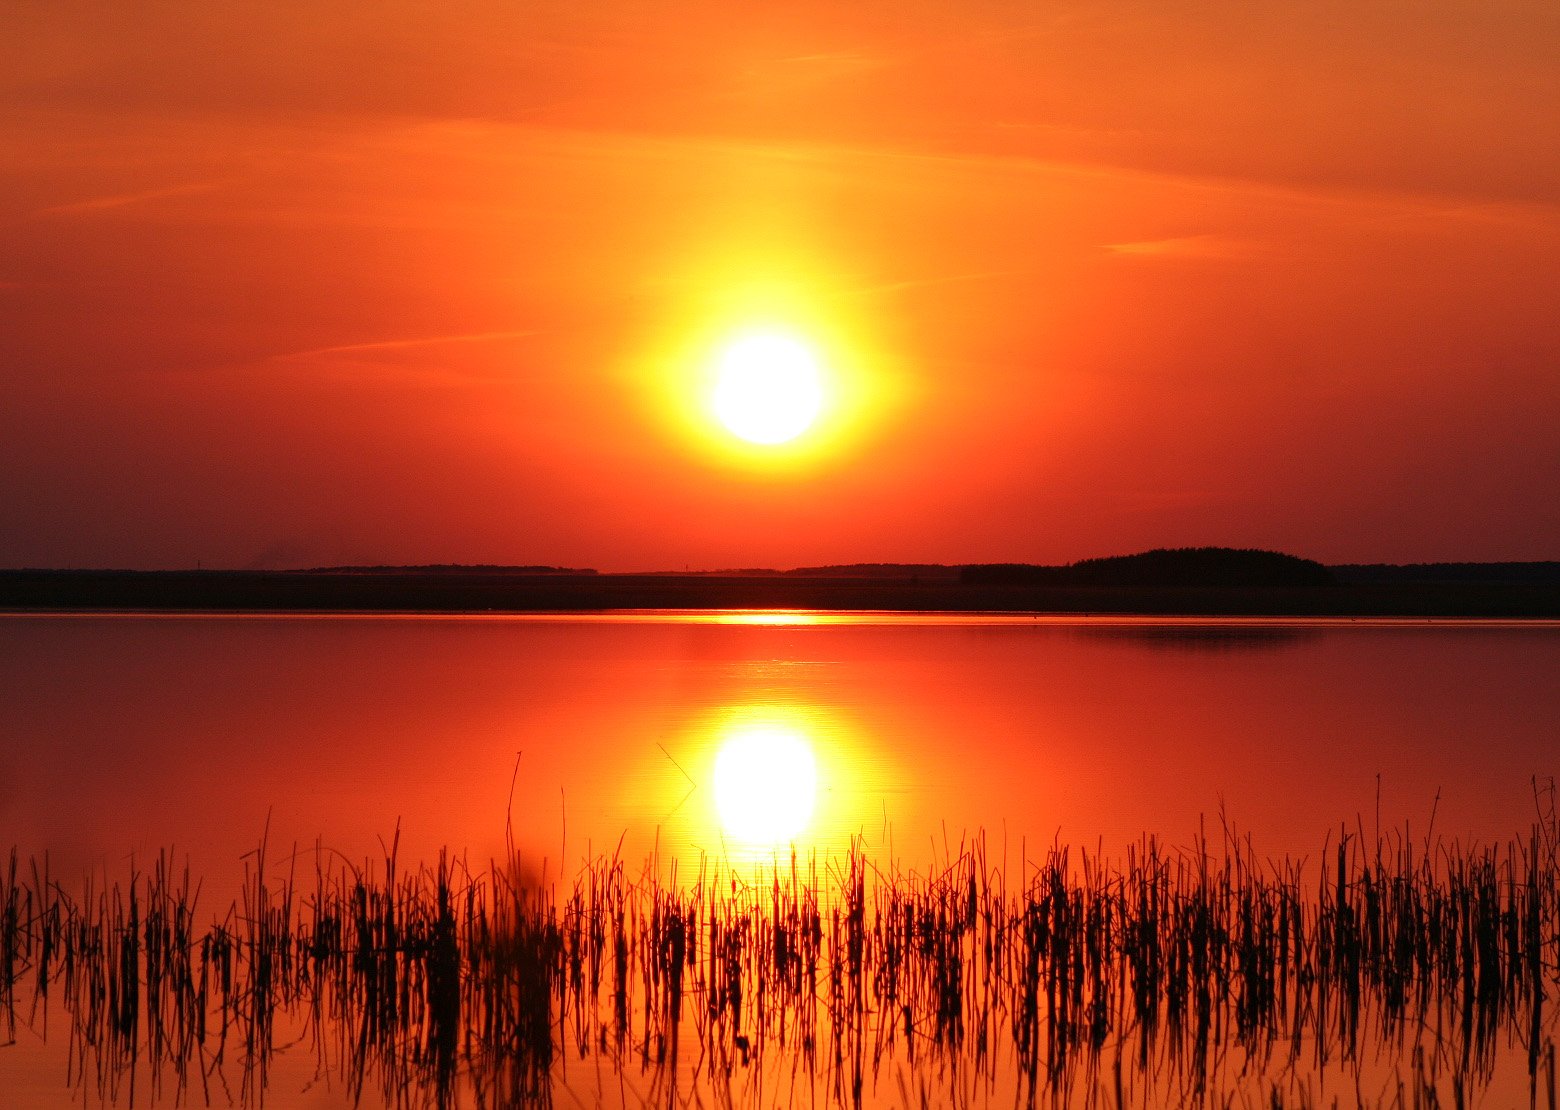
768 388
766 782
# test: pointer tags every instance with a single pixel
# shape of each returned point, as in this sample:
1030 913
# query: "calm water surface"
730 736
131 734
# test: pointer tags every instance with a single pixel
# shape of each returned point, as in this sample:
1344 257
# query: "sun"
768 388
766 783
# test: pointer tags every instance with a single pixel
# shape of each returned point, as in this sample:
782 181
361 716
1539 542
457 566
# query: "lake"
730 739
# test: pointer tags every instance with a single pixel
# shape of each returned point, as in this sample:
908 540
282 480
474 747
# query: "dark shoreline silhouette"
444 591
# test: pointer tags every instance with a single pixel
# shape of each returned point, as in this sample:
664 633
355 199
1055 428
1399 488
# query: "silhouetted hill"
1224 567
1202 566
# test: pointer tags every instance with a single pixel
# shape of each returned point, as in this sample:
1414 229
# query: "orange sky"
397 284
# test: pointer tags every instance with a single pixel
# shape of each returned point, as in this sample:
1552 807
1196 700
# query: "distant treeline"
447 568
1538 574
879 570
1180 566
1205 581
897 571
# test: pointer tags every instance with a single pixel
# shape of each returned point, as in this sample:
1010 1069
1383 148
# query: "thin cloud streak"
1183 246
407 344
123 200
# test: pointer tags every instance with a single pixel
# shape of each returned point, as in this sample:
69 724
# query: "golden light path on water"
766 783
773 777
766 778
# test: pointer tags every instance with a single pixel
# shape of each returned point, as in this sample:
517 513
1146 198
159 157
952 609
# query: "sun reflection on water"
766 782
761 775
771 618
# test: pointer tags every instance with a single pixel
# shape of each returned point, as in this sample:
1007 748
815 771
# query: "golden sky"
292 284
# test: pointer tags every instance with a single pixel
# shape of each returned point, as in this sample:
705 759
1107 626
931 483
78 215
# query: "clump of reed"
1164 977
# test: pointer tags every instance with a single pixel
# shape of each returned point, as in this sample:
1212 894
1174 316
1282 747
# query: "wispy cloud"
1184 246
407 344
123 200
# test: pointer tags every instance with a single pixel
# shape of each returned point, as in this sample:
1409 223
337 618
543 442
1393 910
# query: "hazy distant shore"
915 590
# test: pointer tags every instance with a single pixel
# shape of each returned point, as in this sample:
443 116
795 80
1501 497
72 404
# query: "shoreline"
499 592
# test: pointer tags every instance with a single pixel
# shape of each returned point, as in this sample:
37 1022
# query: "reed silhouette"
1201 976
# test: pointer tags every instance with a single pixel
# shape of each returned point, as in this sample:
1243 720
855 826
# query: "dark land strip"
929 589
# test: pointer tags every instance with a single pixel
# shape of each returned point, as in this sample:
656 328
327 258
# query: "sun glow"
769 377
766 784
768 388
